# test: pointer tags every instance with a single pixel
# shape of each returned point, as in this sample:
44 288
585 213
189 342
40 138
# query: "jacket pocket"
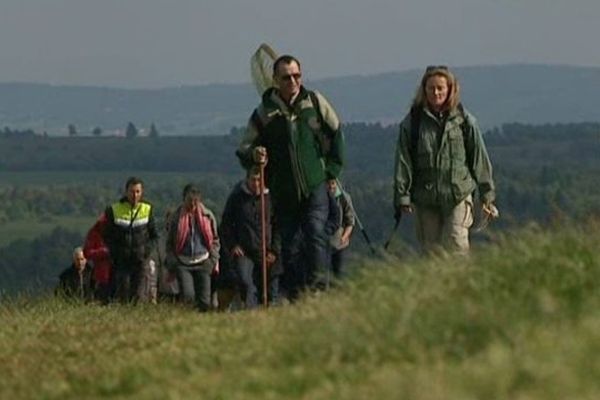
462 184
467 217
424 187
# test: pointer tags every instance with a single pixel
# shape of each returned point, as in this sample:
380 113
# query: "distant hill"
496 94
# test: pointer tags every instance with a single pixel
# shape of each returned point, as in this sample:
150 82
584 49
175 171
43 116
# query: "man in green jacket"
441 160
296 134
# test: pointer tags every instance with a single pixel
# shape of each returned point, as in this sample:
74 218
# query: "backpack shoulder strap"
466 123
315 102
415 126
324 141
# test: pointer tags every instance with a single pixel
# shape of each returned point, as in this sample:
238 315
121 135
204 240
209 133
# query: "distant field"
30 229
105 187
10 231
72 177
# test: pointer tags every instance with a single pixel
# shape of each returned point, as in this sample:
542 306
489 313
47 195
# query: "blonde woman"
441 160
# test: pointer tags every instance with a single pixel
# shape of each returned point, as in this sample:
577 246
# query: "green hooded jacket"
450 162
304 147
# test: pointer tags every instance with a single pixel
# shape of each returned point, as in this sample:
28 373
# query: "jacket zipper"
295 158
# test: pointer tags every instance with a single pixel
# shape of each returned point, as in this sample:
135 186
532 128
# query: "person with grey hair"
193 248
76 281
441 160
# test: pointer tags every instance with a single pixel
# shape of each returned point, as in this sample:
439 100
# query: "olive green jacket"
450 163
304 147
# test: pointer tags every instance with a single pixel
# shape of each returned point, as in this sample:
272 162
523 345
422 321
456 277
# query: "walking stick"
364 233
396 225
263 233
360 225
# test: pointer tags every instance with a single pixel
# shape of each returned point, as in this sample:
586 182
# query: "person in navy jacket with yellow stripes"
131 236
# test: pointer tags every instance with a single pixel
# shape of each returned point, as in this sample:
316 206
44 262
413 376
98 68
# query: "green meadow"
32 178
516 320
30 229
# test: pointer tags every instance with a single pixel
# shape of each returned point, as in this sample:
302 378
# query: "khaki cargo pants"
437 230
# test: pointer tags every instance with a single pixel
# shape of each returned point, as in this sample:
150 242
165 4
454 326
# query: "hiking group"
289 216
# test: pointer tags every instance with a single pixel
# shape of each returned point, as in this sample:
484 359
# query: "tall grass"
516 320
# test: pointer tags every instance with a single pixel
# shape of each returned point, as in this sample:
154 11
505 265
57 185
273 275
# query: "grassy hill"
516 320
497 94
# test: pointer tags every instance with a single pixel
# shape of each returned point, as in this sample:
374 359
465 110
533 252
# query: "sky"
161 43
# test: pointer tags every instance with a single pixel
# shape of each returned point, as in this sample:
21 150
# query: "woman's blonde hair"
453 99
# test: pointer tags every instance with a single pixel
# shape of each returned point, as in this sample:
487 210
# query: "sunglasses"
289 77
434 67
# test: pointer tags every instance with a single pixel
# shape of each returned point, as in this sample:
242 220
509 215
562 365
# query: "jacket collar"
454 116
244 188
271 99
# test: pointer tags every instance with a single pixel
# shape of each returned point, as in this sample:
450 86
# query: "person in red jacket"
95 249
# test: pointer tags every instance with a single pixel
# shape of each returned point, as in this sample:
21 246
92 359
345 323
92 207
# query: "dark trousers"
249 271
126 283
304 244
245 270
194 286
103 292
338 258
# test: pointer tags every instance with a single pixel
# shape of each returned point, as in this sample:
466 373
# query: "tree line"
543 173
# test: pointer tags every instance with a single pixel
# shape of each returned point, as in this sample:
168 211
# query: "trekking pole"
364 233
358 222
392 234
263 234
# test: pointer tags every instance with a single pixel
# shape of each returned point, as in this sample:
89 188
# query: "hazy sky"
155 43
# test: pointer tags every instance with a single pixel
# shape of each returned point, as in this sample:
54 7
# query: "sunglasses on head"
290 76
434 67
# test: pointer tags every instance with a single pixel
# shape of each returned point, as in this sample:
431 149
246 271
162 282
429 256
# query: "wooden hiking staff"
263 234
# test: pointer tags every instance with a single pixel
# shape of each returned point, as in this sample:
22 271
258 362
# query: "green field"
59 183
32 228
517 320
27 229
92 177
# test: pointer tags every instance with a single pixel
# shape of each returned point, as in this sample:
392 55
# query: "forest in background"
52 189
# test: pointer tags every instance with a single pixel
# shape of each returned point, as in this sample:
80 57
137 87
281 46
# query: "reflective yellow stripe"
123 214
